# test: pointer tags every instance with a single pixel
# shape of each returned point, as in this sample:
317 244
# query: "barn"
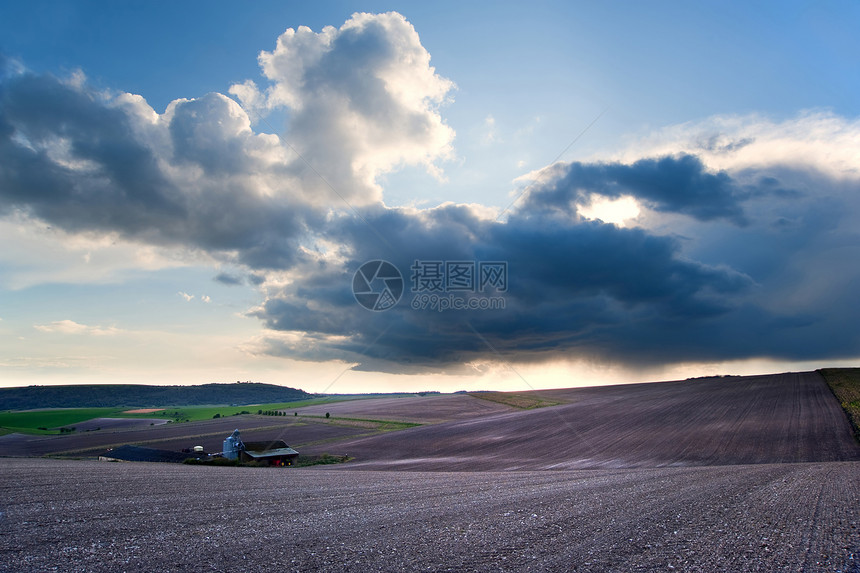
273 452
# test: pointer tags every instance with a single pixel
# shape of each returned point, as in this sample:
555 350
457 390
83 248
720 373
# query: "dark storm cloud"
670 184
750 284
573 287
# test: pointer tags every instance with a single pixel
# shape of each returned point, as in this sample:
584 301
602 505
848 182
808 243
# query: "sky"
374 196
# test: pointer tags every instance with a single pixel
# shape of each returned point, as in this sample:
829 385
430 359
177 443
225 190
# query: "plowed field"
740 474
107 517
752 420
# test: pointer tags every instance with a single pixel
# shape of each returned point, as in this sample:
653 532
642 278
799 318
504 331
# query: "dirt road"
91 516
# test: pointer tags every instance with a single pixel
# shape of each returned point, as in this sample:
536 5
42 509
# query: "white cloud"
817 140
56 256
186 296
615 211
72 327
364 100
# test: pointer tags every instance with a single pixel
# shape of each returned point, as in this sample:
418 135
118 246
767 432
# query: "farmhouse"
275 452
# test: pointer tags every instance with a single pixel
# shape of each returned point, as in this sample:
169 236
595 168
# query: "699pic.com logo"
377 285
436 285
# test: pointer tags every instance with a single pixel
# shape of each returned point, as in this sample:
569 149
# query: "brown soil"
759 419
429 409
73 516
775 488
789 417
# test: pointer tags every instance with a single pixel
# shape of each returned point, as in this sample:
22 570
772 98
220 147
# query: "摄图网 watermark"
435 285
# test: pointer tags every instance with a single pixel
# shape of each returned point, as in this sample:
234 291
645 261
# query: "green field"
845 384
51 421
521 401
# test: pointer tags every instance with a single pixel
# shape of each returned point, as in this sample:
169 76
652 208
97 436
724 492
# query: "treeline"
143 396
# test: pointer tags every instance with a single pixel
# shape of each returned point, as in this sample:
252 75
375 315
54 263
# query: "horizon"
346 199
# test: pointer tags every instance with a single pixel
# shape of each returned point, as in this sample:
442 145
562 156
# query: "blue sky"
186 200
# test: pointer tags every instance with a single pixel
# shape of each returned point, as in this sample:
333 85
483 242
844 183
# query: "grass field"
51 421
845 383
378 425
520 401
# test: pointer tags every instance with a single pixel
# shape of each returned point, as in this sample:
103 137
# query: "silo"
232 445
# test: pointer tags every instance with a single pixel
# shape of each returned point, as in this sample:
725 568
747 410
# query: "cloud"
363 100
744 245
568 282
47 254
679 184
814 140
186 296
89 165
727 264
229 279
72 327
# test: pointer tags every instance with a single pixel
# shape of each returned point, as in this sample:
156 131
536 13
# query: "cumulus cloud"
363 100
186 296
744 245
84 164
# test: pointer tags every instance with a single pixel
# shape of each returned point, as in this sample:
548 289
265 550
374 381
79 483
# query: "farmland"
781 418
754 473
91 516
845 384
49 421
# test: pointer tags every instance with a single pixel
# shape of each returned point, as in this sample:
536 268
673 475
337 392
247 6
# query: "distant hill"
142 396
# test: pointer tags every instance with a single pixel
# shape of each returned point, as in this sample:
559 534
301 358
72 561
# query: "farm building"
275 452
